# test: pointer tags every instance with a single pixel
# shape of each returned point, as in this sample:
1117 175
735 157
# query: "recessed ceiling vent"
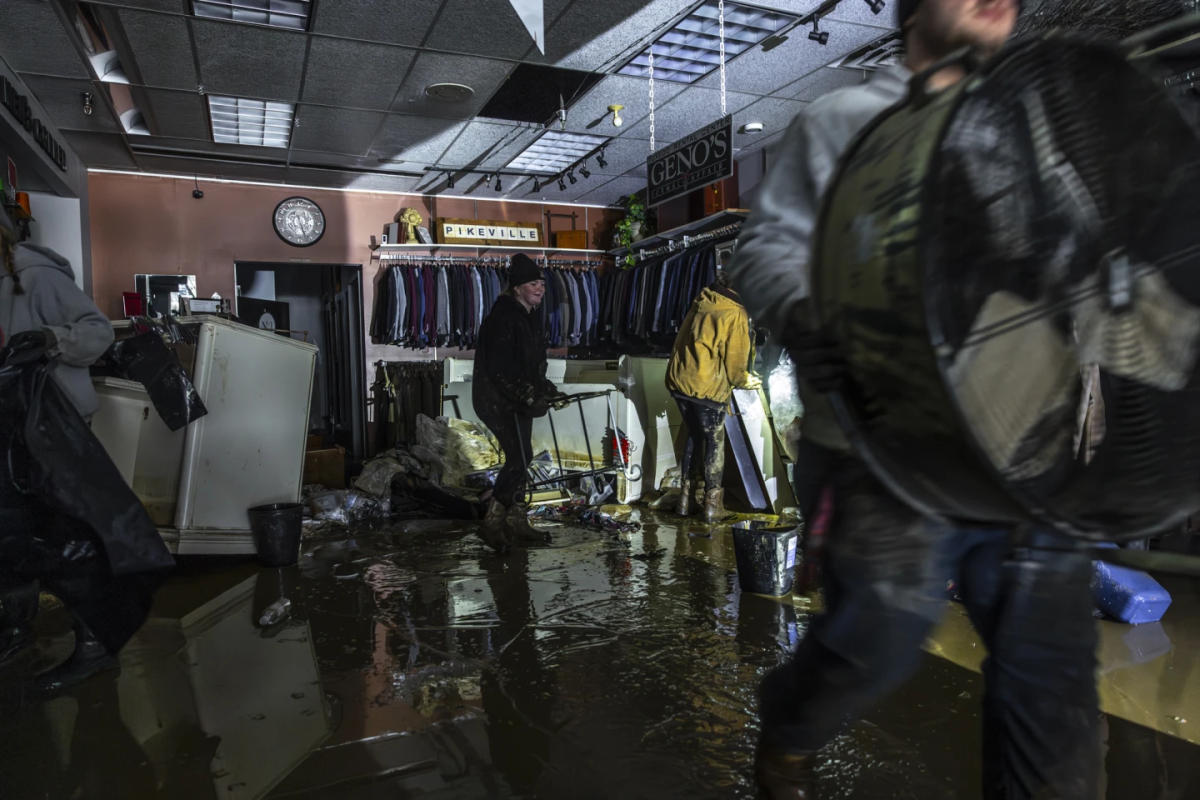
449 92
880 54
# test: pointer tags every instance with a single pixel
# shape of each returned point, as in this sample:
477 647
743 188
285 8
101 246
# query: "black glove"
538 408
818 360
28 346
559 400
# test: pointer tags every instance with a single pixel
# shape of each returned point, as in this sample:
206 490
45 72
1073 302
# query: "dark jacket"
510 360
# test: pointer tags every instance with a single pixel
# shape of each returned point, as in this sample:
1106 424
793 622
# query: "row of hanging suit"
430 304
427 304
646 304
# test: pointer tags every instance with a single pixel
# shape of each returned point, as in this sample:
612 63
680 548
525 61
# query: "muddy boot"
18 607
89 658
683 506
517 527
714 506
785 776
491 530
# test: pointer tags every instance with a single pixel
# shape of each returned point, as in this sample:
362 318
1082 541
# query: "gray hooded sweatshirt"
52 301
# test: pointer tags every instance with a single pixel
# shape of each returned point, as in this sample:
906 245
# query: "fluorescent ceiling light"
291 14
237 120
554 151
692 49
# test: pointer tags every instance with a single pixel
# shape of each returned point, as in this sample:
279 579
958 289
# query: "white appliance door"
249 449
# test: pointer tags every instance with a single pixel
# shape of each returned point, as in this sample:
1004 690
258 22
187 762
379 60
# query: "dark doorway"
323 303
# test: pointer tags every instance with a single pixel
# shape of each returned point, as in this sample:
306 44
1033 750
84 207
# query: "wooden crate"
571 240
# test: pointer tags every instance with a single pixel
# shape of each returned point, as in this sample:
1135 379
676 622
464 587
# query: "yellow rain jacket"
711 356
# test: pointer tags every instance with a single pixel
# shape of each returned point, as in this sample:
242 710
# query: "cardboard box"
315 442
571 240
326 467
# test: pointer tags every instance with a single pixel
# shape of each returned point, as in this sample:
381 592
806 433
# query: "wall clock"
299 221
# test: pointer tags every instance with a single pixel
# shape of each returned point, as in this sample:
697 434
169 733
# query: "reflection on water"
416 663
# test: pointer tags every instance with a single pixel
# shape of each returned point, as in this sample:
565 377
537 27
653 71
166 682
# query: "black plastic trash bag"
69 518
146 359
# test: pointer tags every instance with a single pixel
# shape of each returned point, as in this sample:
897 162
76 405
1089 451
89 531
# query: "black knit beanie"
523 269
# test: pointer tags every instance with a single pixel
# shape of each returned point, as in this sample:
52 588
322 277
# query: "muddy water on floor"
418 664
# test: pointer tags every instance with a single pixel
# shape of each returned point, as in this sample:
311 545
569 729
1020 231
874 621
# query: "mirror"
163 292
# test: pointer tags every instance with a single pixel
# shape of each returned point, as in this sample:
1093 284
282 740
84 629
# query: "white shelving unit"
481 248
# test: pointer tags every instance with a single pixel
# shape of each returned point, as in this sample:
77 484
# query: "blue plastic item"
1128 595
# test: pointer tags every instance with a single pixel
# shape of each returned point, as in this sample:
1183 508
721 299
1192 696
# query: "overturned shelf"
710 223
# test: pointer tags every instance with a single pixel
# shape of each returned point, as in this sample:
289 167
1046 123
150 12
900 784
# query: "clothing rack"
404 389
494 261
722 233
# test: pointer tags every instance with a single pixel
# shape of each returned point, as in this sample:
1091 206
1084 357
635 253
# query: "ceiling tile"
614 190
481 74
487 144
100 149
550 192
162 48
468 26
62 99
776 114
215 169
337 179
766 73
858 11
178 114
380 22
418 139
354 74
590 114
335 130
33 40
599 36
623 155
691 110
823 81
249 60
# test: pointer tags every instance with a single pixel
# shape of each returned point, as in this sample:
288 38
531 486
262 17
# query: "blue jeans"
886 575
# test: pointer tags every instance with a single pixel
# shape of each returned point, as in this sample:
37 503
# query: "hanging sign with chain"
700 159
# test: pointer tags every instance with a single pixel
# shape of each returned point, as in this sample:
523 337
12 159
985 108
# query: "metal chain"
721 17
651 98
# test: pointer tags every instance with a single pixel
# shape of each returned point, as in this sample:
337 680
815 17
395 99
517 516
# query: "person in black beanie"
509 390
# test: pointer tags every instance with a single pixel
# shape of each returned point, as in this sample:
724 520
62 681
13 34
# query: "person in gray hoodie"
39 298
41 308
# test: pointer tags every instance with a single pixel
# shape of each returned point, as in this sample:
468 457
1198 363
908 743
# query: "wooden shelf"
404 248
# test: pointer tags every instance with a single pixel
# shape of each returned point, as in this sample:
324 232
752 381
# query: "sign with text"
700 159
18 105
489 232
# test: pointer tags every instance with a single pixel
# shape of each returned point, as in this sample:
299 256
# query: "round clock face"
266 321
299 221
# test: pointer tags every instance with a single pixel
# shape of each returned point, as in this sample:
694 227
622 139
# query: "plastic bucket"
766 556
276 530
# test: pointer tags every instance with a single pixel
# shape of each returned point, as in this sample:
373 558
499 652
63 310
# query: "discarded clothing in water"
579 515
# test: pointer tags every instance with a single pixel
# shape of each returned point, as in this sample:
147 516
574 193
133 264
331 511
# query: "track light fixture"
817 35
562 186
584 171
450 179
87 104
571 177
876 5
600 161
499 185
537 185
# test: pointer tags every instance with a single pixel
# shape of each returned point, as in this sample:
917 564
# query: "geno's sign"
697 160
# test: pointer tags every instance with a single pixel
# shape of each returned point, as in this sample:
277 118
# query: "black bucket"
766 556
276 530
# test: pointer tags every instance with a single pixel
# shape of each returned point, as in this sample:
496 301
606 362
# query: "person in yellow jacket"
711 358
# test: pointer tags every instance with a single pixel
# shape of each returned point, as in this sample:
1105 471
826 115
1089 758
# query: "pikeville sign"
700 159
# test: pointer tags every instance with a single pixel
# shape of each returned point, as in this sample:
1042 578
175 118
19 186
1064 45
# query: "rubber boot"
517 527
714 506
491 530
89 658
684 505
785 776
18 607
